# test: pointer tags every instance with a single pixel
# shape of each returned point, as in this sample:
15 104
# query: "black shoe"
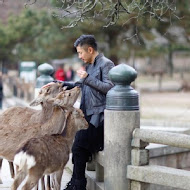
69 186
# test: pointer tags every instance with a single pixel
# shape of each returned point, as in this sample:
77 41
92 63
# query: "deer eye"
48 91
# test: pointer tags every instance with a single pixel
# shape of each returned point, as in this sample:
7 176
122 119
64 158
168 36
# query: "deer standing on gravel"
48 154
19 124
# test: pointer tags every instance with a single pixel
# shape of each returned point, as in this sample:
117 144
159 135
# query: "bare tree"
111 11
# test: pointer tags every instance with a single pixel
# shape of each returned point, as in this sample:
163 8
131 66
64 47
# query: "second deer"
48 154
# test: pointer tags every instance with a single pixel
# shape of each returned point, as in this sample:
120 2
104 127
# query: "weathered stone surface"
160 137
160 175
119 126
100 157
92 184
138 143
139 157
135 185
99 173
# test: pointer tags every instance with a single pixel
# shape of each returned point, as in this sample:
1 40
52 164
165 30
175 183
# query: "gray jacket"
95 86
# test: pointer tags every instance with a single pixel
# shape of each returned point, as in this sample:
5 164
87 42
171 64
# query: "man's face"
85 54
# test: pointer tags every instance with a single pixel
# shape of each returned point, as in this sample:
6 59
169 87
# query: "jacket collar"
97 57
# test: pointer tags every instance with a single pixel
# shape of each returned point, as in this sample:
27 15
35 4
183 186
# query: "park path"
7 180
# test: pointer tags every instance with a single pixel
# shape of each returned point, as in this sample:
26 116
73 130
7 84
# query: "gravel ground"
171 107
7 180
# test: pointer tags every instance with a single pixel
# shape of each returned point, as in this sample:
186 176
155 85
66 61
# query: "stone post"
45 70
121 118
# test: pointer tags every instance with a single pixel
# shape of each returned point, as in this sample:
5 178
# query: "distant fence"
15 86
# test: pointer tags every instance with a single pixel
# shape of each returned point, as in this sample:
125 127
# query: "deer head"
66 98
79 119
46 93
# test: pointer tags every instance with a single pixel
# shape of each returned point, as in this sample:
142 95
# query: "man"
95 84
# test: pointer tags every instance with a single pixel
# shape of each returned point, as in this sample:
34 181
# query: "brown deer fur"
19 124
47 154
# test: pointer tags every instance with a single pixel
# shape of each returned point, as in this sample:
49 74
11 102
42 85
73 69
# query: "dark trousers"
79 159
86 143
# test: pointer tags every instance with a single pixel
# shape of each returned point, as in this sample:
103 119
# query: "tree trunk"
170 62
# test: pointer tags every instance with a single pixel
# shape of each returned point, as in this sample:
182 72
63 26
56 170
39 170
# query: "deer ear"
36 102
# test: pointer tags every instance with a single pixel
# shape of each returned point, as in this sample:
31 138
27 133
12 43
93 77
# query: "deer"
19 124
48 154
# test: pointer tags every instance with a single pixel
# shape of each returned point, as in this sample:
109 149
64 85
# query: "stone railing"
121 118
124 163
142 174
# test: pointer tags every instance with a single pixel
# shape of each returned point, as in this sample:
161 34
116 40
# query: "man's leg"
80 156
85 142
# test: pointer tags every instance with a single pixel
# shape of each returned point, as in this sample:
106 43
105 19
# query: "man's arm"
103 85
69 84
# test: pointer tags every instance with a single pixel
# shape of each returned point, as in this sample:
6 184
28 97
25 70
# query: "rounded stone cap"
45 69
122 96
122 74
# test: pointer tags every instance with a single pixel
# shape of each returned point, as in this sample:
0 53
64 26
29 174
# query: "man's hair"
88 40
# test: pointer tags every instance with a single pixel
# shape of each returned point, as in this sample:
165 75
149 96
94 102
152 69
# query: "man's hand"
82 74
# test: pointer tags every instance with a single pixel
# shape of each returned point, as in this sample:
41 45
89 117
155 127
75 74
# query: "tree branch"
110 11
28 3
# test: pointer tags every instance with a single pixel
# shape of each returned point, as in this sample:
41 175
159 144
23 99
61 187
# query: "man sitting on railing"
95 84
